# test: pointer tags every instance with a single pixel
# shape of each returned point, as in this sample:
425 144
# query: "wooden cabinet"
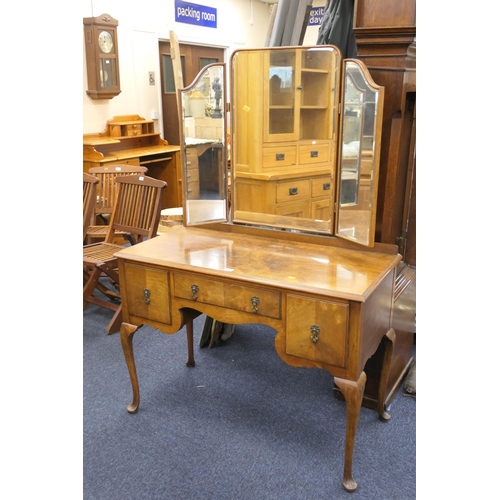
132 140
285 131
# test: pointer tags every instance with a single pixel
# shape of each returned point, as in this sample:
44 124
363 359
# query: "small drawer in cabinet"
231 296
134 129
317 330
148 293
314 153
321 186
293 190
278 157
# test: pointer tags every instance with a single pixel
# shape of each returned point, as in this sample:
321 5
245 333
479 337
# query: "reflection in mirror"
358 177
203 153
284 117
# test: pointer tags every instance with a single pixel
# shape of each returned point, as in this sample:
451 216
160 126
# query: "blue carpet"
239 425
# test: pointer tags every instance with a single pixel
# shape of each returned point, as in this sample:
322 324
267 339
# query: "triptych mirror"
296 147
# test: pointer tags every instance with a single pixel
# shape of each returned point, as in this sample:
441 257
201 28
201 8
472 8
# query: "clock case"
99 63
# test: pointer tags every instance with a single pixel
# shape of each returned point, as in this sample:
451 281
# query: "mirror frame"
190 217
369 241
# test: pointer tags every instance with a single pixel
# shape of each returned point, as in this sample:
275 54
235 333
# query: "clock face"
105 42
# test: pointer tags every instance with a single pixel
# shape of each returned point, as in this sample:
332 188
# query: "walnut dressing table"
330 306
294 249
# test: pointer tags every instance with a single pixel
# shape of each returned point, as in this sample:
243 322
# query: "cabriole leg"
126 336
353 394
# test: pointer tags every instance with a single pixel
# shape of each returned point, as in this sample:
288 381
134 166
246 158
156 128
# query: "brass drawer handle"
293 191
315 333
147 296
255 303
314 154
194 290
326 186
280 156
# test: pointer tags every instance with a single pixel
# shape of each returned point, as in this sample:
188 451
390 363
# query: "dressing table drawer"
231 296
148 293
317 330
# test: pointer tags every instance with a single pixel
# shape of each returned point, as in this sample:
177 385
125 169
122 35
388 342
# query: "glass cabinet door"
280 96
298 94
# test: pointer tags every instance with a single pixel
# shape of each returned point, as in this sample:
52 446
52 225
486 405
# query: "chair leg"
90 285
102 288
115 323
110 270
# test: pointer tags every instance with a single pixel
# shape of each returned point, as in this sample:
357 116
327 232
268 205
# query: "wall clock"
101 53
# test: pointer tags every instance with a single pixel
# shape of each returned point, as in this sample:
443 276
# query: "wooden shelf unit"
131 140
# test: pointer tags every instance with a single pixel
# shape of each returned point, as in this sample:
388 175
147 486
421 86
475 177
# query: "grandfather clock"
101 51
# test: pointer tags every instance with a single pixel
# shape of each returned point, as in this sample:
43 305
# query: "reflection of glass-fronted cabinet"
285 117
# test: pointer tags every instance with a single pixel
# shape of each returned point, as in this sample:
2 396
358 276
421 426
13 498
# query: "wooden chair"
106 198
137 212
89 200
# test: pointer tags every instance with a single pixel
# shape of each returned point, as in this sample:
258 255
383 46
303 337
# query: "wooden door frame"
188 51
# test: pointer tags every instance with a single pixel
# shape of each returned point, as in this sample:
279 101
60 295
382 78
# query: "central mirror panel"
284 119
203 151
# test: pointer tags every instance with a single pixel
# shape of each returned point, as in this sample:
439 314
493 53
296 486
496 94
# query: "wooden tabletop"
294 266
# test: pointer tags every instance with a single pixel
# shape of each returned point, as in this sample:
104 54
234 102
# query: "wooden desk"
132 140
329 303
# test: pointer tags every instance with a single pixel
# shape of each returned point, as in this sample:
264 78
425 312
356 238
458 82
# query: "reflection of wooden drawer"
148 293
218 293
294 190
193 174
279 157
191 158
314 153
317 330
321 186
